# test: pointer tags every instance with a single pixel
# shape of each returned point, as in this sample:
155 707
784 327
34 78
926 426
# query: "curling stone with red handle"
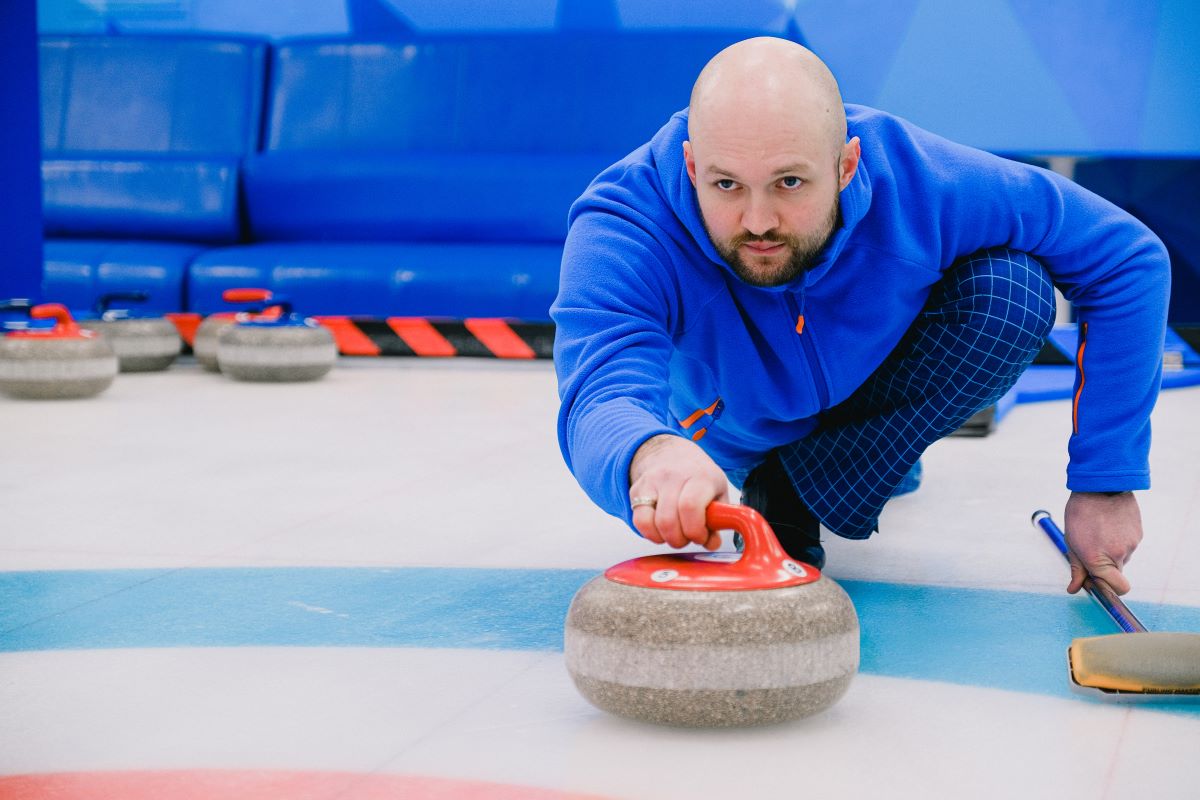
56 363
713 639
142 344
204 344
288 347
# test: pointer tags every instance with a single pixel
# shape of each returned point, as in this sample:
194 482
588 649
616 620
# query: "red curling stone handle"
760 540
762 565
246 295
64 322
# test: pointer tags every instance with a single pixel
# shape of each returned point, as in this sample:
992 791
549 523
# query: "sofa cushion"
385 280
141 196
457 197
79 272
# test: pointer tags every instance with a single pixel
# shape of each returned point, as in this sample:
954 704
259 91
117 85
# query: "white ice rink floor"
355 589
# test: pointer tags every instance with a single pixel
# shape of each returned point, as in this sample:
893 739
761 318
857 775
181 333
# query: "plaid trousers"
984 322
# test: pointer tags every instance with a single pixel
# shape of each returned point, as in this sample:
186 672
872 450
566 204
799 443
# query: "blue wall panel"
21 198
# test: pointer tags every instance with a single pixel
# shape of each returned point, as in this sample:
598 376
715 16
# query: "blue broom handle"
1097 588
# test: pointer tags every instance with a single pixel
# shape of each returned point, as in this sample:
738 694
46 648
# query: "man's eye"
725 184
791 182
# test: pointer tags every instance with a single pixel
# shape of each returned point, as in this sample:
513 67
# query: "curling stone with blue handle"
56 363
286 348
713 639
142 344
204 344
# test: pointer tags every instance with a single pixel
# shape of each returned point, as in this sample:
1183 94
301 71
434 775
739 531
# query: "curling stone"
204 344
713 639
142 344
288 347
57 363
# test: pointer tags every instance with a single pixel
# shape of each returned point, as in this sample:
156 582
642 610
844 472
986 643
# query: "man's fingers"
1077 577
1106 571
1078 573
643 520
666 519
1113 576
693 505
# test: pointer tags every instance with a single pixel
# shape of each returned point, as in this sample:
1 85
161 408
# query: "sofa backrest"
143 136
485 93
481 138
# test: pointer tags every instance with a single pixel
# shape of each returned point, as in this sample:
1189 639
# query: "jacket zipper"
804 334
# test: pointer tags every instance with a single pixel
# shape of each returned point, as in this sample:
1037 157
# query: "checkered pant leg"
983 324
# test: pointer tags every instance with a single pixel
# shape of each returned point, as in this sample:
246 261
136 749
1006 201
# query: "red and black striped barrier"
424 337
499 338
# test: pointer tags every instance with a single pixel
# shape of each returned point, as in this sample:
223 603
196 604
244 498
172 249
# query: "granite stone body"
712 658
204 345
141 345
276 353
56 368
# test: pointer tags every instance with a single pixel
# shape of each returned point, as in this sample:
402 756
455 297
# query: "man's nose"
759 216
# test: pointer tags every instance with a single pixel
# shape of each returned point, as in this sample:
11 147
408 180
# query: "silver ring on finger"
635 502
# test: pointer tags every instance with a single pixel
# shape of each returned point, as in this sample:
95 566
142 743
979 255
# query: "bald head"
764 83
768 157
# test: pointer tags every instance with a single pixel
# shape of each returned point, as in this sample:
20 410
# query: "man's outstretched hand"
683 480
1102 533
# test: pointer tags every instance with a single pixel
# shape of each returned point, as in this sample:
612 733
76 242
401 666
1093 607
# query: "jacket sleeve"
612 350
1113 269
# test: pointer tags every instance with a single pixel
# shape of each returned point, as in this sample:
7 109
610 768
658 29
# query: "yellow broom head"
1142 663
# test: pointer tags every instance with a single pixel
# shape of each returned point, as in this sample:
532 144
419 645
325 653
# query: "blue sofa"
429 176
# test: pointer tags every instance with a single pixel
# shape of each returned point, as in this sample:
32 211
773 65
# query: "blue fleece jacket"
656 334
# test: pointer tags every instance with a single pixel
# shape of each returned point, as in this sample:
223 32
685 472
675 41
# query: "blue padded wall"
1164 194
20 199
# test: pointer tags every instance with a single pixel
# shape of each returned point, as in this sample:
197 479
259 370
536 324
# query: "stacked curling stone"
276 348
59 362
142 344
711 639
204 344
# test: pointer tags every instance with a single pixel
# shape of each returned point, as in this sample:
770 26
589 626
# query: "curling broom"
1162 667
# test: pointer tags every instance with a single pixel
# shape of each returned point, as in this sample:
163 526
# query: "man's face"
769 200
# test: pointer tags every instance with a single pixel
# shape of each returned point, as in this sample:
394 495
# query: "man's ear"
690 160
851 153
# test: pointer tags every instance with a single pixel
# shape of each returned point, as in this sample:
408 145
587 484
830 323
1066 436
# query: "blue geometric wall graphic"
1059 77
963 64
376 19
793 32
588 15
1171 120
858 39
765 16
1103 67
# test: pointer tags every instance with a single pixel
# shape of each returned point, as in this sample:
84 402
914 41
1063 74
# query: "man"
800 296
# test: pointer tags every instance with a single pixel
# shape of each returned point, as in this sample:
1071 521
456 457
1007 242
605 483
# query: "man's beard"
805 250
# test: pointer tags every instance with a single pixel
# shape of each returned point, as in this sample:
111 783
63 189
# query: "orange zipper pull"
800 324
